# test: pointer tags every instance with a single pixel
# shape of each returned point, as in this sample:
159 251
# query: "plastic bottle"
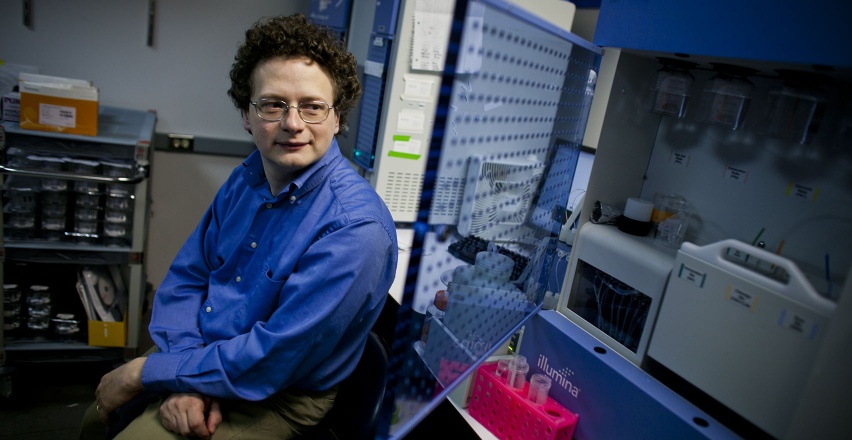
434 311
727 96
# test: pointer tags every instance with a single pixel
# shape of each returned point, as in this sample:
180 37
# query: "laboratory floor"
48 405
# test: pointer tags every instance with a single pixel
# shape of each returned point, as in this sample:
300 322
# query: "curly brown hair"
290 36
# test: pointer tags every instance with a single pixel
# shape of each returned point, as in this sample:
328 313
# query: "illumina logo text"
559 377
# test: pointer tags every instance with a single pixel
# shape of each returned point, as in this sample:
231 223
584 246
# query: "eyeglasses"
273 110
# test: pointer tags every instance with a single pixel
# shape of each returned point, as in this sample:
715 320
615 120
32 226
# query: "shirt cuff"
160 372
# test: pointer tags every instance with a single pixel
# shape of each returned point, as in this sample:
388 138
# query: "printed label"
680 159
803 192
373 68
736 174
57 115
693 276
740 297
800 324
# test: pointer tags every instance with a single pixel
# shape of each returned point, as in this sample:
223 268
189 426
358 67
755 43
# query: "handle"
797 288
141 174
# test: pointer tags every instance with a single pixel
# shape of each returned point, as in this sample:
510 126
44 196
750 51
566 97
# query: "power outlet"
181 142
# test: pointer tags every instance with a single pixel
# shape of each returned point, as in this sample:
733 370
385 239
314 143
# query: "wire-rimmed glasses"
273 110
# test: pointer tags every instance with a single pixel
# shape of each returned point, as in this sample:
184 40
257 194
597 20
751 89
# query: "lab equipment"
516 376
671 91
538 389
797 107
614 285
467 247
508 414
771 332
435 311
636 219
674 218
727 96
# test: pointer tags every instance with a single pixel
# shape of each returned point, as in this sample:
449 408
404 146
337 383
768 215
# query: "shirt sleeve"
174 323
325 309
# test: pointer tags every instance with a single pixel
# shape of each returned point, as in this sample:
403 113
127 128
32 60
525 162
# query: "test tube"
517 373
539 388
502 368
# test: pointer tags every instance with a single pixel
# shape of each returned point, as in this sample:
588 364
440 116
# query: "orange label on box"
59 114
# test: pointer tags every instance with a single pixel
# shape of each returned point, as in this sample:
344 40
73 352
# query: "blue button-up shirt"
274 292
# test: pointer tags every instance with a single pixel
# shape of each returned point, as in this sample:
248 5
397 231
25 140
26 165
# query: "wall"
585 21
183 77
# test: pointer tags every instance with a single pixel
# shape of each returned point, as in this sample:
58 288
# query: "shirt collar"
254 175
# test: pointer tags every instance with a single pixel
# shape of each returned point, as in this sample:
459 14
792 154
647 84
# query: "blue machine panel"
815 32
384 22
364 152
334 14
613 398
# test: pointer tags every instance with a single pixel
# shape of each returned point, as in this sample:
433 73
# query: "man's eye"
312 107
272 106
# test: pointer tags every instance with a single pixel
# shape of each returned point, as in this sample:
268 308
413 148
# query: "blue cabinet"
810 33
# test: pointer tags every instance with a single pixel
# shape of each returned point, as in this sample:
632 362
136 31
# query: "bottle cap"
441 298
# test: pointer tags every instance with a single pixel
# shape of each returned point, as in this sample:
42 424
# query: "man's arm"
181 413
119 386
179 297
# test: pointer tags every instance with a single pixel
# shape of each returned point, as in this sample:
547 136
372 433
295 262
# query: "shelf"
34 345
68 253
47 351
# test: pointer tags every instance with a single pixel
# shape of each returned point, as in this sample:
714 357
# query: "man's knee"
91 427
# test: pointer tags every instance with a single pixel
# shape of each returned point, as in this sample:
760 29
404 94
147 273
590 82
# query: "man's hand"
191 414
119 386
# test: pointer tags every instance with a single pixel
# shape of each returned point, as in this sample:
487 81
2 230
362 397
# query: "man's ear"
246 125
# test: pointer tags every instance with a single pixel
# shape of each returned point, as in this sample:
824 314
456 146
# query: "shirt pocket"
265 295
273 276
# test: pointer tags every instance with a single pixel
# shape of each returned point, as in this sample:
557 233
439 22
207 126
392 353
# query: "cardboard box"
12 107
108 334
56 104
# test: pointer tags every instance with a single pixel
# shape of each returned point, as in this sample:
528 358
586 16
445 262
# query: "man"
267 306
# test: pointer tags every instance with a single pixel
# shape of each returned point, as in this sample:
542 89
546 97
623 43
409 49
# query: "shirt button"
239 279
292 199
208 309
253 244
269 205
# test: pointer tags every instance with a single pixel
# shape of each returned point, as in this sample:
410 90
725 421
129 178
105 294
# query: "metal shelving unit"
72 202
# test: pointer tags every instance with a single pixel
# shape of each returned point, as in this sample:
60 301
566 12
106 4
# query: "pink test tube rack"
508 414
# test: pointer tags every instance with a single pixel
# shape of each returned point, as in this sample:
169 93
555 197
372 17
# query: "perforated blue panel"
513 103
